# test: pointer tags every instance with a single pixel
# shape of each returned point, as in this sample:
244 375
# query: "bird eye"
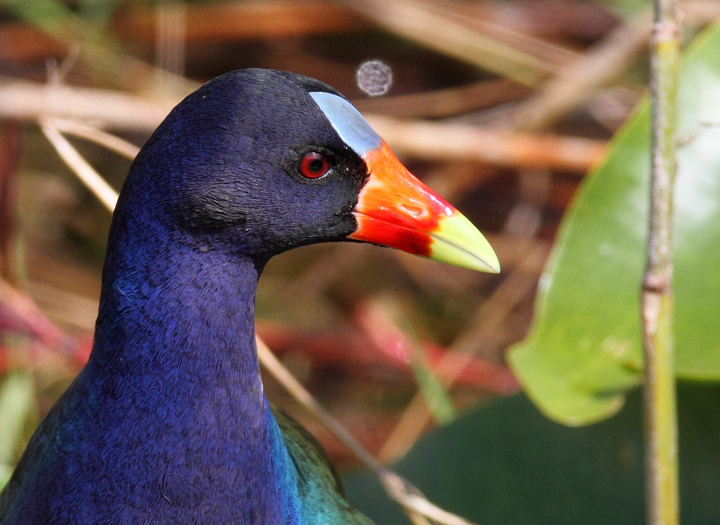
313 165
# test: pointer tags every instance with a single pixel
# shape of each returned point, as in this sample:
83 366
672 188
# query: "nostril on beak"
413 210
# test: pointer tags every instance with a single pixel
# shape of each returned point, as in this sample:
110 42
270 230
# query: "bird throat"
175 367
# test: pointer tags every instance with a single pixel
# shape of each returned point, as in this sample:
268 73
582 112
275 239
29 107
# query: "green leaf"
46 14
17 401
97 12
626 8
436 397
506 464
584 350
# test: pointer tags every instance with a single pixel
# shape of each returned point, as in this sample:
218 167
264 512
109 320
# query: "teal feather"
318 483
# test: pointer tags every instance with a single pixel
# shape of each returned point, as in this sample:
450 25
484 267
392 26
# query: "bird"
168 421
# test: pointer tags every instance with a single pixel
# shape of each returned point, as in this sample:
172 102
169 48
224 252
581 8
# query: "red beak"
395 209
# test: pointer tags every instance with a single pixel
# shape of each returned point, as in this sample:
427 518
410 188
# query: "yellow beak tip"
458 242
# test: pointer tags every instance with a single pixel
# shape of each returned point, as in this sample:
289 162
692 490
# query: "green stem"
657 298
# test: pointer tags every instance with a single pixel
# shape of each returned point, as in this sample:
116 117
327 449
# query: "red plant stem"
9 158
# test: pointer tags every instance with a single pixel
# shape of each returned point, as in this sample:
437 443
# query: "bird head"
257 162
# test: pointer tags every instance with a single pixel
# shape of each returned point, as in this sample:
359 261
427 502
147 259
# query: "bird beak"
395 209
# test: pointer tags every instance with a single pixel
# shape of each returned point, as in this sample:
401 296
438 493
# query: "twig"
292 385
399 489
418 139
488 318
659 397
579 79
170 30
104 108
248 20
86 173
10 147
109 141
433 28
444 141
96 49
445 102
504 29
598 67
700 12
57 73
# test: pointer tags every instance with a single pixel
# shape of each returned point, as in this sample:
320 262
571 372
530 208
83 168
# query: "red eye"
313 165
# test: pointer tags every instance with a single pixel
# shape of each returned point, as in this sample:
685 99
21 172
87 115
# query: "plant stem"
657 299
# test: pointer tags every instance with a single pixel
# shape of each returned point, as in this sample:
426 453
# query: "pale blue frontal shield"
348 122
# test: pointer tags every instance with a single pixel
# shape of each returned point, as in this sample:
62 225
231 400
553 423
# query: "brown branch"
441 141
445 102
418 139
580 79
107 140
230 21
77 163
443 32
102 108
501 29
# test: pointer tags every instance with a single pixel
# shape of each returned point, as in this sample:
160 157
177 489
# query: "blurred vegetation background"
503 107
